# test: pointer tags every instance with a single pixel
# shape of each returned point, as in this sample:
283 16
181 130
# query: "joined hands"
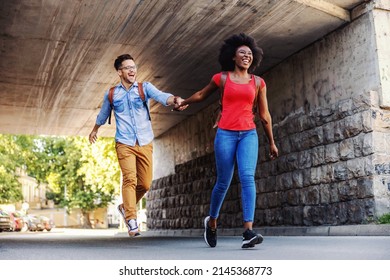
178 104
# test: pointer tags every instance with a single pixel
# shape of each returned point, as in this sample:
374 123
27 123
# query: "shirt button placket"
132 116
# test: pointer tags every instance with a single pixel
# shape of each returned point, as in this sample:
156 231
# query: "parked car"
33 223
47 223
5 221
17 221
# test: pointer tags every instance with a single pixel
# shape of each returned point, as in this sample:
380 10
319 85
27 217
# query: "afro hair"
228 51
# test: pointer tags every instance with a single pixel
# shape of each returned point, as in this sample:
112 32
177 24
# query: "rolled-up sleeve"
105 111
152 92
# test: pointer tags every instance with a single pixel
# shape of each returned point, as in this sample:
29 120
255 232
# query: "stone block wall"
333 136
323 177
182 199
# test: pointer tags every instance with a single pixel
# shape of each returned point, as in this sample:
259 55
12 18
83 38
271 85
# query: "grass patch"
384 219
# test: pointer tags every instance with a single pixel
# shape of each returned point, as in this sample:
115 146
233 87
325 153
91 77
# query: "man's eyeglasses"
128 68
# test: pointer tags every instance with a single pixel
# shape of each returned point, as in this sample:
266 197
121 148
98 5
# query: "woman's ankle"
213 223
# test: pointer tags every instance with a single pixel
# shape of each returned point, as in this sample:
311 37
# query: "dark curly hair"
228 51
120 59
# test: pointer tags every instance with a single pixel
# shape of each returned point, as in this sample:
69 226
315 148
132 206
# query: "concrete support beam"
382 35
369 6
382 4
380 10
328 8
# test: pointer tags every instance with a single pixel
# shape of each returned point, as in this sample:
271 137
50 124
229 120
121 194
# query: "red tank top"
237 104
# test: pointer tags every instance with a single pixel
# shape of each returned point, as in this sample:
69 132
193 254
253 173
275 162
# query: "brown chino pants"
136 164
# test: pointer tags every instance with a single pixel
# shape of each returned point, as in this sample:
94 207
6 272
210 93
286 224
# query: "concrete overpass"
327 69
57 56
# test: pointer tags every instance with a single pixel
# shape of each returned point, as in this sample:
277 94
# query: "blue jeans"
231 146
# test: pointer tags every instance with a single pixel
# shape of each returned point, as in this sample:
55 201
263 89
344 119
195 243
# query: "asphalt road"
111 254
71 244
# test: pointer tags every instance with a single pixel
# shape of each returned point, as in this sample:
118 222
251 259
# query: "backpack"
221 89
141 94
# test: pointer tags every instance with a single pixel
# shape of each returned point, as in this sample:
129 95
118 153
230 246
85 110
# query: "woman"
236 138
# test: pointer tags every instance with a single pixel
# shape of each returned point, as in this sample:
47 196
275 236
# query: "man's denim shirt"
131 116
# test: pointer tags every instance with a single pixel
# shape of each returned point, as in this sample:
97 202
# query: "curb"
350 230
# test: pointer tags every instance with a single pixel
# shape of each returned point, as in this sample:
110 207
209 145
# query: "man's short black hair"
120 59
230 46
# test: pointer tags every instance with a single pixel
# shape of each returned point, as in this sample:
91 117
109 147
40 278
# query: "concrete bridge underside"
327 69
56 57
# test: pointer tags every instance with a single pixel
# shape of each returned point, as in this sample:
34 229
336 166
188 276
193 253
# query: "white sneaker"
132 226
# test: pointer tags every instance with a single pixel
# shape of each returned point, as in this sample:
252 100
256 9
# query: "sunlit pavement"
66 232
115 244
89 232
103 253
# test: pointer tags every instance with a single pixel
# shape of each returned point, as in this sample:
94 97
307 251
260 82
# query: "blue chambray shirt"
131 116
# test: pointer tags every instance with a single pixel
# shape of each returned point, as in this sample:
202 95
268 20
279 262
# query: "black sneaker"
250 239
210 235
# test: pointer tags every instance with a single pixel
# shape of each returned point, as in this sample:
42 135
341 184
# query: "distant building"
33 193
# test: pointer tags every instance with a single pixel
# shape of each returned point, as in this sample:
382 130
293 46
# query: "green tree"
10 187
54 160
78 174
100 176
99 163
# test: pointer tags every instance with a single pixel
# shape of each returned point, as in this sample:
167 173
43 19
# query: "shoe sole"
206 220
252 242
131 234
123 215
134 234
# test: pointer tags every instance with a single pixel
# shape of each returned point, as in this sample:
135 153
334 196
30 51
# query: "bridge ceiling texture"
56 58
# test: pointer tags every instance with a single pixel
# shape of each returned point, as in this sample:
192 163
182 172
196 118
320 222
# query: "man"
133 136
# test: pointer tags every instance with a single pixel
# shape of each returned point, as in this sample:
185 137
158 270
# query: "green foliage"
99 174
90 198
384 219
10 188
78 174
56 197
99 164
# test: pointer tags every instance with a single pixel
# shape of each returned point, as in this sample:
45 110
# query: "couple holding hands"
236 138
